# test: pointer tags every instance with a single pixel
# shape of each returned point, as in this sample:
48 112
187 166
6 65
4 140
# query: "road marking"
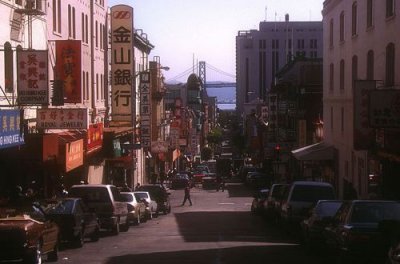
226 203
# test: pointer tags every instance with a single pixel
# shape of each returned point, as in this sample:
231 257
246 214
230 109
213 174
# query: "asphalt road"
218 228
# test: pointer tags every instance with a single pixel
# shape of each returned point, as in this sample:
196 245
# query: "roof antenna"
266 17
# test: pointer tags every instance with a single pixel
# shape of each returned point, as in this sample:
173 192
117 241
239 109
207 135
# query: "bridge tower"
202 72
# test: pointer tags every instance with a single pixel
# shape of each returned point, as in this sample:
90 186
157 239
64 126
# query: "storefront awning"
319 151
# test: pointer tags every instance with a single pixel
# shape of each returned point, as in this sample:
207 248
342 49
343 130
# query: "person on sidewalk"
187 195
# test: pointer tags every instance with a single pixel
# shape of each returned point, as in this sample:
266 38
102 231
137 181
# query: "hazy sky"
205 30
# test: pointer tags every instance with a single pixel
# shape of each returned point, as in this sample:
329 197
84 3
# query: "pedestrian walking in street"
187 195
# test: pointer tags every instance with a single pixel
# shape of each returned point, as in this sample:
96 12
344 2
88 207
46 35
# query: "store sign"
384 109
62 118
145 110
95 136
68 68
10 131
73 155
32 72
122 63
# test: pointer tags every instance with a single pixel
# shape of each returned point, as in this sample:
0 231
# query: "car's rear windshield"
127 197
92 194
311 193
140 196
64 207
328 208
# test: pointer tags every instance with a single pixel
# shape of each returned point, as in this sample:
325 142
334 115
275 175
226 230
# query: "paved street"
218 228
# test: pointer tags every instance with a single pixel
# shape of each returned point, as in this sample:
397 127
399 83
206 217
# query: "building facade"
260 54
360 57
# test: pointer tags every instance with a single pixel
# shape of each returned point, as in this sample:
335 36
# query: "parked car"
160 195
198 175
209 181
27 234
391 233
257 204
151 204
354 233
136 208
300 197
312 227
75 220
257 179
180 180
272 204
106 202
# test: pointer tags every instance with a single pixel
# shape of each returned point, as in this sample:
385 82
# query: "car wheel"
53 255
35 257
125 226
115 228
149 215
96 235
78 240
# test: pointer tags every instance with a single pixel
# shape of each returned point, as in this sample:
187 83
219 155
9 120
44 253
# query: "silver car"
151 204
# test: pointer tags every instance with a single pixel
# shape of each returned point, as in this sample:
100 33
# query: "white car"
151 205
137 212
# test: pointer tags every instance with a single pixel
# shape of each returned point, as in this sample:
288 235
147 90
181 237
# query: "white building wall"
352 163
39 41
97 85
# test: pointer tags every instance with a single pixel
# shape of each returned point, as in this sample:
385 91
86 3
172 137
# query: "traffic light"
58 92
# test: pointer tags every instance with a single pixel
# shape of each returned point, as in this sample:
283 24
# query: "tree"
206 153
214 138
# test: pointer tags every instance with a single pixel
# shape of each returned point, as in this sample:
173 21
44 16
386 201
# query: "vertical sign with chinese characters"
145 109
364 135
33 85
122 63
68 69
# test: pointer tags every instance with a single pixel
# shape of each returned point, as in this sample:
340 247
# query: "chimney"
287 18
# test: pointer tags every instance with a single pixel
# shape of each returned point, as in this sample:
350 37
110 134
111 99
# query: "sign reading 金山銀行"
33 87
122 64
58 118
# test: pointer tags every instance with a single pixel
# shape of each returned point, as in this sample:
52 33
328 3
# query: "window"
342 120
97 34
84 85
97 87
390 62
354 19
86 29
69 21
73 23
300 43
57 16
370 65
354 69
331 76
342 75
313 44
370 21
342 26
331 33
389 8
332 119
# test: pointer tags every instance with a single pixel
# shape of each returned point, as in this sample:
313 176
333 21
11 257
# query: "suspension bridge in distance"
203 70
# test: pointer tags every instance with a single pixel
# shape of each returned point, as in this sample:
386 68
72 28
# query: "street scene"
200 131
218 228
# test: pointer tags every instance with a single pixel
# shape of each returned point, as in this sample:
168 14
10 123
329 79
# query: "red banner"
68 69
95 137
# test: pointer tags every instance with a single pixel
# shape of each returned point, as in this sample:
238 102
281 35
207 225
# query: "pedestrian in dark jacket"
187 195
